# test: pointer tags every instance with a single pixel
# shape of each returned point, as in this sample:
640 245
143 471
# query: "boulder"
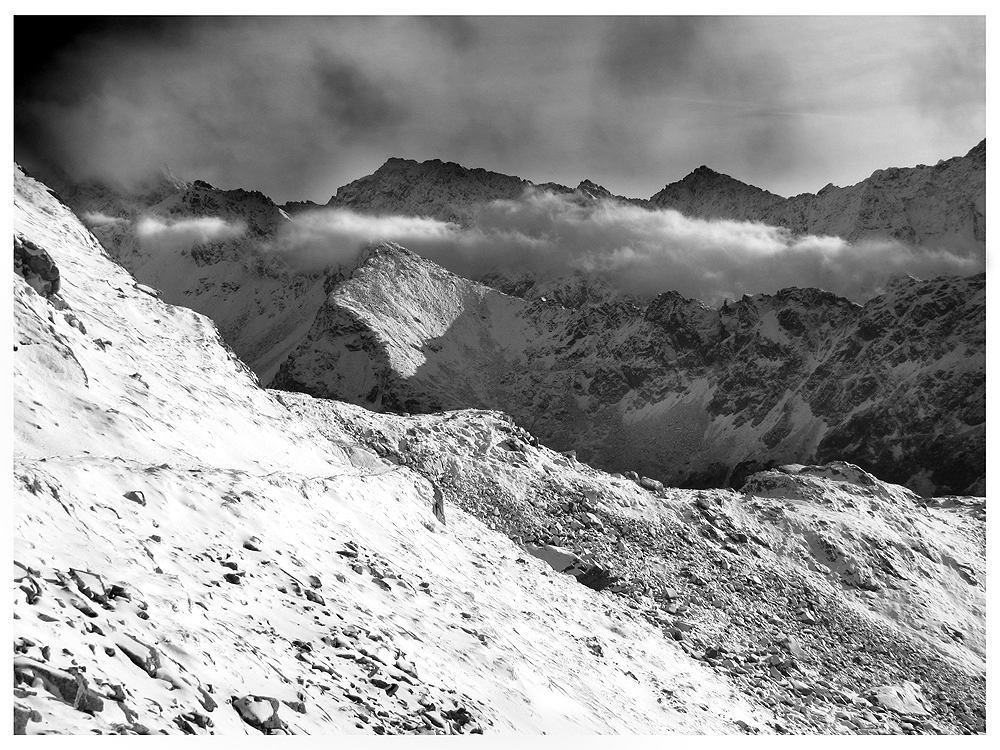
70 687
36 267
260 712
904 698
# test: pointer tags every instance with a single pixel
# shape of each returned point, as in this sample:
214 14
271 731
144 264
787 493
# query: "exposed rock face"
671 388
939 206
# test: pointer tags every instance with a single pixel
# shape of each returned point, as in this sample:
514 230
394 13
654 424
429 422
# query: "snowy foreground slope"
195 554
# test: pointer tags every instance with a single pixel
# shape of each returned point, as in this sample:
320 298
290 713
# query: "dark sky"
296 107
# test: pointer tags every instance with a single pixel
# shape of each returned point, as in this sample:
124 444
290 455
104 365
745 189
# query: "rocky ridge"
685 393
622 400
941 206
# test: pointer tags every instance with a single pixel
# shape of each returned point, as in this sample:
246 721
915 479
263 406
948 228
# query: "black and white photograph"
421 373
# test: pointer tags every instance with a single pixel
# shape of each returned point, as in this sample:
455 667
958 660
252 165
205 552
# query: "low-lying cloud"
97 219
640 251
160 234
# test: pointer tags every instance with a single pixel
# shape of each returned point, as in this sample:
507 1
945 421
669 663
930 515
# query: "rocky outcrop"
36 267
679 391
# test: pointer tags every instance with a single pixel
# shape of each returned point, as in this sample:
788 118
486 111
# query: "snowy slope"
670 387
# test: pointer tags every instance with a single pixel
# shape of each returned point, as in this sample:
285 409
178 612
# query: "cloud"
948 78
97 219
297 107
649 55
162 235
640 251
355 104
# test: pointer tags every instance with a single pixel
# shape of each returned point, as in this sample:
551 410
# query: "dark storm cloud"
355 103
643 55
460 33
238 102
297 107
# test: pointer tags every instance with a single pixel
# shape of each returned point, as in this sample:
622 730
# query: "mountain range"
195 554
689 394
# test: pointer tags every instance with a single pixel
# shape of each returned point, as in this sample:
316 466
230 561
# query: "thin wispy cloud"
160 234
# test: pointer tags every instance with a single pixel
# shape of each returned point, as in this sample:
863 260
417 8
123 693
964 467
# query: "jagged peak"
592 189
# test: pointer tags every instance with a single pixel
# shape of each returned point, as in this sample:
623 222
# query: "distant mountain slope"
260 304
445 190
940 206
442 190
672 388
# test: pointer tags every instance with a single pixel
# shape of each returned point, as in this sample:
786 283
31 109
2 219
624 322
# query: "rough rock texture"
672 388
939 206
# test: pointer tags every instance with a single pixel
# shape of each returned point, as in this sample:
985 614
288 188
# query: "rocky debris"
22 715
904 698
750 599
145 657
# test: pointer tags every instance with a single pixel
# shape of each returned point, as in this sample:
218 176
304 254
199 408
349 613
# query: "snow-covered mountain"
194 554
940 206
444 190
668 386
205 248
682 392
